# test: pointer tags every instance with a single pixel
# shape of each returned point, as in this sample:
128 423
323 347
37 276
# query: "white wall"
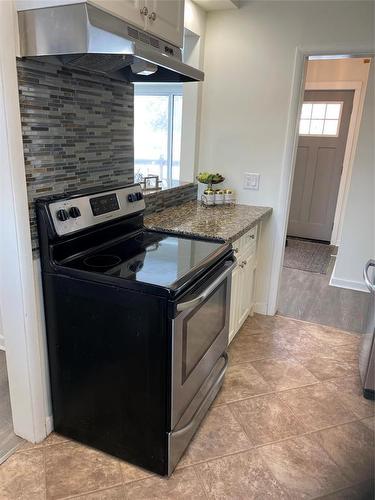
358 234
250 57
25 342
195 28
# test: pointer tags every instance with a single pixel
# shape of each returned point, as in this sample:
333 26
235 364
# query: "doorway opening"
328 128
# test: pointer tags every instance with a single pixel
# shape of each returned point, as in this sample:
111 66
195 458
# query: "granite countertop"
219 222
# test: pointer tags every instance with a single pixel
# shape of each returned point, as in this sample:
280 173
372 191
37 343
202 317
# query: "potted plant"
209 179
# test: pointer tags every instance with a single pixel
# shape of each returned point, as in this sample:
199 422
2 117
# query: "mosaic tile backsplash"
156 202
77 130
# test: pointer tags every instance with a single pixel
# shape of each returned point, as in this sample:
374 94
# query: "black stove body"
137 326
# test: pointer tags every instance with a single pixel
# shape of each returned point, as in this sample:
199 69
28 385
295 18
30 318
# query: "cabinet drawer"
246 243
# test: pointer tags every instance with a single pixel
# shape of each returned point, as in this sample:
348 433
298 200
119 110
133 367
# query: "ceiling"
210 5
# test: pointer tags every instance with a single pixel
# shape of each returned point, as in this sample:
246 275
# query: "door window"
201 327
320 118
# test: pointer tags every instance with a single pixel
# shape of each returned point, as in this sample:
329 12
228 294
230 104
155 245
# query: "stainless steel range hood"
86 37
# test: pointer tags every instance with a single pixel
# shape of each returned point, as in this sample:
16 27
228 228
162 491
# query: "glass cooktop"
149 257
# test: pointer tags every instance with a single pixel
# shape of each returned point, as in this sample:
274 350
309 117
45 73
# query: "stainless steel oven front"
200 338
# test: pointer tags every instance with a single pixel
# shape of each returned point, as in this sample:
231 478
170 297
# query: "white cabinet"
129 10
165 19
233 317
243 280
162 18
245 291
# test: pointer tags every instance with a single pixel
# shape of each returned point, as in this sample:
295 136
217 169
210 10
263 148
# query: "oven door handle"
213 388
189 304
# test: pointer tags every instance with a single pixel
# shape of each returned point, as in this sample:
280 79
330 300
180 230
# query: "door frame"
351 143
21 321
290 150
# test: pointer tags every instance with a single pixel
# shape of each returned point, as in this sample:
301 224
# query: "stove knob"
62 215
139 196
132 197
74 212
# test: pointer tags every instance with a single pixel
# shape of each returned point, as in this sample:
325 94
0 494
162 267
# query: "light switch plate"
251 181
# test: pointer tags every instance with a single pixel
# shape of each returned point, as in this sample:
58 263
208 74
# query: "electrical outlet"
251 181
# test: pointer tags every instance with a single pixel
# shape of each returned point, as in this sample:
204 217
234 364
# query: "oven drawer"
181 435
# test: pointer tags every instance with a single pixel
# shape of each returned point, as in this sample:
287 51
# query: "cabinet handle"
144 11
152 16
243 263
235 250
252 236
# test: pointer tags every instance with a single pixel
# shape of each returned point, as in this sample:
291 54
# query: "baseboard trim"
2 343
357 286
260 308
49 424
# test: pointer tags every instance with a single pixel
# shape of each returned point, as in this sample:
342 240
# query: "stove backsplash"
77 130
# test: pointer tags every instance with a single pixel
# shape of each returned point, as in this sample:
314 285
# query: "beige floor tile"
182 485
132 473
349 391
22 476
248 347
270 324
331 336
219 434
51 439
74 469
239 477
116 493
283 374
55 438
303 468
362 491
369 422
328 367
241 381
351 446
348 353
266 419
316 406
303 346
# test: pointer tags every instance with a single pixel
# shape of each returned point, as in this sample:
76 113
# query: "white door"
165 19
324 129
129 10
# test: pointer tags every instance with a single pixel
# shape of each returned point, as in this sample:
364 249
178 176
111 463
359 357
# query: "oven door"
200 337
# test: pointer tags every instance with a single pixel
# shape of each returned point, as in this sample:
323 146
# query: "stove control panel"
80 212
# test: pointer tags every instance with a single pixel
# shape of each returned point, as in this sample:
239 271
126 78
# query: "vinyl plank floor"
8 440
309 297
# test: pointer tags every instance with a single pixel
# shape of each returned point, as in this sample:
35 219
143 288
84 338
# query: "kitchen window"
320 118
157 131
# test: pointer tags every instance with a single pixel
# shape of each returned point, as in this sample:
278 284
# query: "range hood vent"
84 36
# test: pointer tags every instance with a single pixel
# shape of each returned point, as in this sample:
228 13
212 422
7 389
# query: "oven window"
201 327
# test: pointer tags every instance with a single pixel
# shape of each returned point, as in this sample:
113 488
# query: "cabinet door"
129 10
166 20
233 318
246 285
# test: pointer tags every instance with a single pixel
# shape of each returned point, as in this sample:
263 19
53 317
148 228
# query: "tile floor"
289 423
